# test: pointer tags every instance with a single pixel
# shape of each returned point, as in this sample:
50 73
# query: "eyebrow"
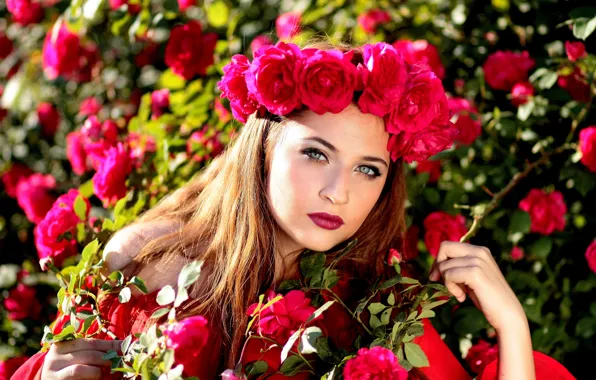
334 149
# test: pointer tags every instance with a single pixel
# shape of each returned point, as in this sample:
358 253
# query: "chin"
319 244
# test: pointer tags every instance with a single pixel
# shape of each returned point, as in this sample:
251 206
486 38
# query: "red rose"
49 233
432 167
280 320
11 178
517 253
61 56
287 25
481 354
326 80
109 183
89 106
423 103
384 76
441 226
271 78
394 257
591 256
9 366
183 5
190 52
421 52
374 363
148 55
587 147
233 86
575 50
93 130
22 303
260 41
87 62
25 12
521 92
503 69
75 152
6 46
132 8
420 146
49 118
547 211
576 85
203 145
369 21
188 338
160 102
467 120
34 195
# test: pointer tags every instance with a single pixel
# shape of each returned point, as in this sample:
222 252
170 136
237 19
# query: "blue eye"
314 154
369 171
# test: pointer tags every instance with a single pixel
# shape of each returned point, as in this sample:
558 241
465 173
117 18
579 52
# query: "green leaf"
257 368
426 314
166 295
86 190
292 365
288 285
542 247
308 340
520 222
289 344
139 283
90 250
391 299
312 264
160 313
586 327
189 274
124 295
415 355
584 27
80 207
320 310
525 110
376 307
218 14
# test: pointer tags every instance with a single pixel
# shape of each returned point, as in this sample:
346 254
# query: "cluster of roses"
283 78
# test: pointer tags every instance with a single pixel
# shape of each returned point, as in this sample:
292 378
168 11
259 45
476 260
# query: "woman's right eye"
314 154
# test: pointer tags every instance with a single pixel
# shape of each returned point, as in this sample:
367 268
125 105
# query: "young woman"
296 177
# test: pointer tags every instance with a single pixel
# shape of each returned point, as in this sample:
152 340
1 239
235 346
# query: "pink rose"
517 253
432 167
49 233
591 256
49 118
9 366
576 85
260 41
587 147
229 374
547 211
22 303
34 195
441 226
423 103
575 50
11 178
6 46
233 86
370 20
88 60
481 354
394 257
131 8
25 12
287 25
139 146
190 52
280 320
183 5
188 338
521 92
374 363
467 120
160 102
420 146
271 78
109 183
61 57
75 152
203 145
421 52
503 69
89 106
384 77
93 130
326 80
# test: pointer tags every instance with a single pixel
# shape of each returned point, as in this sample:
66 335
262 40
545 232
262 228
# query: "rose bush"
105 111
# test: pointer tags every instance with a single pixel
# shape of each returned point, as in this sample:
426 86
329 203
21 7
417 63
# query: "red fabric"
546 367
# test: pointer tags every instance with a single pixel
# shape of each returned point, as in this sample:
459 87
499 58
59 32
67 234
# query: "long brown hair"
226 221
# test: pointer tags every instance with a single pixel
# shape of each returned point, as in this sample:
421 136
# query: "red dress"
131 317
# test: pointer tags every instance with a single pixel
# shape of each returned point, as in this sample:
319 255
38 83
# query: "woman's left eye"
369 171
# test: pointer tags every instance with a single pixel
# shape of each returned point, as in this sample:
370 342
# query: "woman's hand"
472 270
78 359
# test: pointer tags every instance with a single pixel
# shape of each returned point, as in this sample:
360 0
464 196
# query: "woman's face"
326 174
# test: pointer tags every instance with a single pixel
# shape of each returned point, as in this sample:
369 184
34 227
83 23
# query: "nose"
336 189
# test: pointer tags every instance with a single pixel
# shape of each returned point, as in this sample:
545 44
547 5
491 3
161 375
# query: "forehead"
350 131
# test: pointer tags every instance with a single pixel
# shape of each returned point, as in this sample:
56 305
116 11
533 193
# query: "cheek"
289 186
365 196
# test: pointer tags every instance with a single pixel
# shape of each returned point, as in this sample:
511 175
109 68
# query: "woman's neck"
286 259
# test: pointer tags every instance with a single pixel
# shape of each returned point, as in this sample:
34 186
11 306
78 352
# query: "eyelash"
308 151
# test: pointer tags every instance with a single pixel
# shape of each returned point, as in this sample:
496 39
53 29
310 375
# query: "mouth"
326 221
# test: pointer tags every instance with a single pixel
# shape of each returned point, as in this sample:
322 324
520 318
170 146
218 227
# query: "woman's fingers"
87 357
80 372
465 261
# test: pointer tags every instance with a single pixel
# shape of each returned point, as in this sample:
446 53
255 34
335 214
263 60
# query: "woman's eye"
369 171
314 154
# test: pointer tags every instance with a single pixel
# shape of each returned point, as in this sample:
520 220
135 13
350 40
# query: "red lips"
326 221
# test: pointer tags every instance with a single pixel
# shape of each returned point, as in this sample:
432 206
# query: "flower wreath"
283 78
